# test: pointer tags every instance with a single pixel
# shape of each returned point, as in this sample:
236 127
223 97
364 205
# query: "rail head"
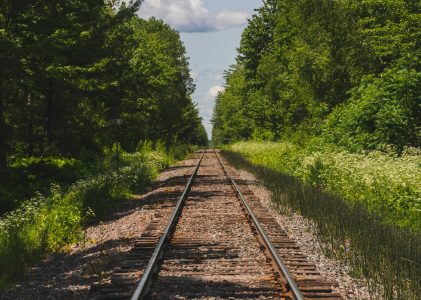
283 269
151 267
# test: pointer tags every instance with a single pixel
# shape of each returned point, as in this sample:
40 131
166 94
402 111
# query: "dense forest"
70 67
346 71
69 70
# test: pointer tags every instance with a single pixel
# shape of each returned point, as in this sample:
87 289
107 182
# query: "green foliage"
42 224
385 184
382 111
28 175
299 60
64 170
46 224
228 121
70 67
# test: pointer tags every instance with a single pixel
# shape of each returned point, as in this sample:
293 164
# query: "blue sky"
211 31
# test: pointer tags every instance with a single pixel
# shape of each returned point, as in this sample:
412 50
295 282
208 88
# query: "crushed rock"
303 232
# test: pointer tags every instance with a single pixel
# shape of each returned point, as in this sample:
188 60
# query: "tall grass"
385 254
51 222
386 184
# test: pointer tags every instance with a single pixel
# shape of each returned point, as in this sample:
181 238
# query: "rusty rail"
282 269
144 283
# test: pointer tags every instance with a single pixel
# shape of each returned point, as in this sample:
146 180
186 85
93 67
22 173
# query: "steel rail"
269 246
143 285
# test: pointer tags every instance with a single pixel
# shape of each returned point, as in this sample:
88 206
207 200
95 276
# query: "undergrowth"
52 221
28 175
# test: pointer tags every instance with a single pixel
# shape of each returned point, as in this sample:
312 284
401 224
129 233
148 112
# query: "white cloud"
191 15
214 91
227 19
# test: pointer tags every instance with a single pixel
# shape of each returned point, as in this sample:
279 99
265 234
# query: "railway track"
215 242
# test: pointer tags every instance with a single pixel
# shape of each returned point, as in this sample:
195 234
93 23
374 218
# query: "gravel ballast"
303 232
69 275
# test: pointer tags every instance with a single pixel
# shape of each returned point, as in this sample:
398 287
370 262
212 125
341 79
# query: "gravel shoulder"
303 232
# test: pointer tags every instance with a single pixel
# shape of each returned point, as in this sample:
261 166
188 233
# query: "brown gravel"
303 232
69 275
213 253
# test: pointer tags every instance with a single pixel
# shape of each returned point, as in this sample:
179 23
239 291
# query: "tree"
69 67
301 59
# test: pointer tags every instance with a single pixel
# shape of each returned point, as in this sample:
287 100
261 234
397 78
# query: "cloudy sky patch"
192 16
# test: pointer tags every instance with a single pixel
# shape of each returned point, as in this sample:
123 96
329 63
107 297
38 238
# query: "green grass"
52 221
386 184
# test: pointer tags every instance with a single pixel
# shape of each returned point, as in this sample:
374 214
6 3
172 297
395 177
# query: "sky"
211 32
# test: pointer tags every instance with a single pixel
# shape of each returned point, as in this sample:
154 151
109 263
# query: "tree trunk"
30 127
50 112
3 133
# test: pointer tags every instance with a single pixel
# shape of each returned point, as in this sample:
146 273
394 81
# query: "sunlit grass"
387 184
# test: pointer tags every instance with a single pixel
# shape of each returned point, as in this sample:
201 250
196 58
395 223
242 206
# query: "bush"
29 175
65 170
39 225
382 111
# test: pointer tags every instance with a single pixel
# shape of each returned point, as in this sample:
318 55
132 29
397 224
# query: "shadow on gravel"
69 276
184 286
200 251
159 193
200 196
179 167
209 180
170 182
244 182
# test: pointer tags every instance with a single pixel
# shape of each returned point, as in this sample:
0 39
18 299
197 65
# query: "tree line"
68 68
346 71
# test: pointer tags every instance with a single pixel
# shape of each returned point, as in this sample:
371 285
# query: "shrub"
62 170
382 111
29 175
